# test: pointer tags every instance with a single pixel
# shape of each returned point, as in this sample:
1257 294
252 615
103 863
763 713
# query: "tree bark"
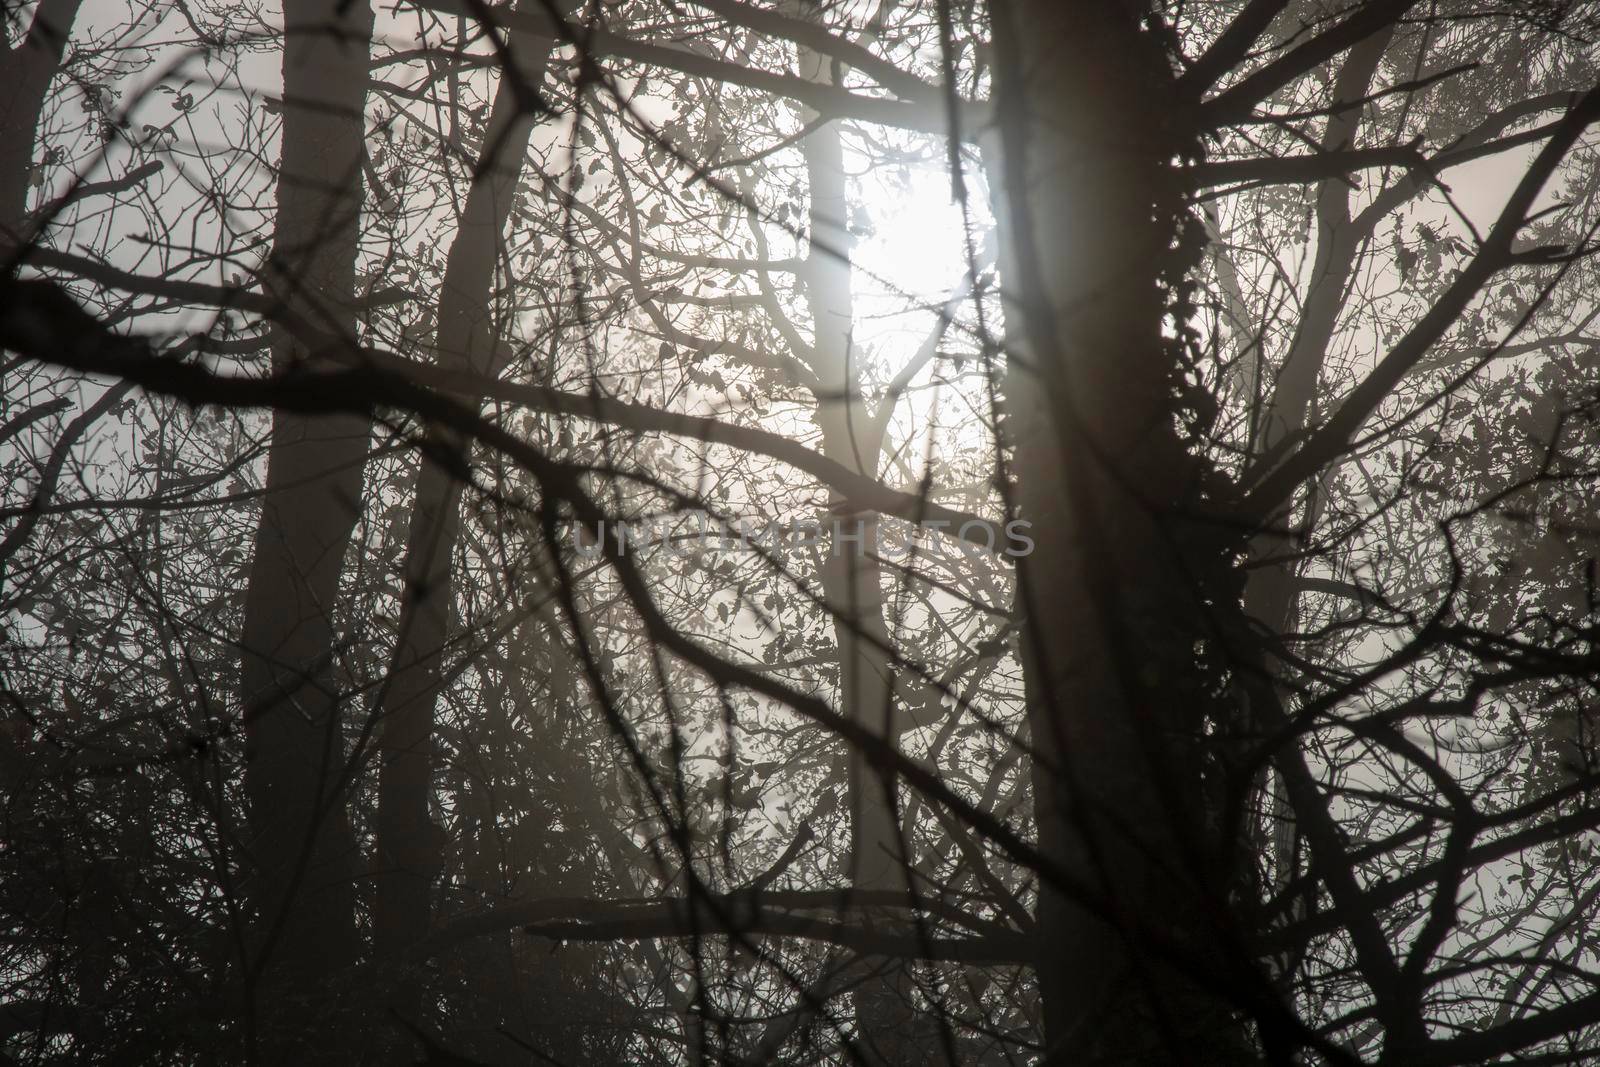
1115 595
303 851
852 575
25 75
407 850
1269 597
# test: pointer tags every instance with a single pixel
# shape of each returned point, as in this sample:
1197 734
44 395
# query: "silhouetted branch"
1305 169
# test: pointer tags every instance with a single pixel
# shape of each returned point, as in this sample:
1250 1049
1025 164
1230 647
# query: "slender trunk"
302 847
1115 596
26 71
1270 596
408 842
852 577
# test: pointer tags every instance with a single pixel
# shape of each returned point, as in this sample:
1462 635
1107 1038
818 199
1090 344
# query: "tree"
301 849
1269 741
34 54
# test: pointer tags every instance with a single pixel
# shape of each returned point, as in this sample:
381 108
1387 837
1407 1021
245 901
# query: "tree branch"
1326 444
675 918
139 362
1308 168
1236 104
84 190
1230 48
597 43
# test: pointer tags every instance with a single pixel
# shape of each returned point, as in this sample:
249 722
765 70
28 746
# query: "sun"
912 257
910 231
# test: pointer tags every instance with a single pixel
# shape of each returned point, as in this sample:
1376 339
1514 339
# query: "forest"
799 532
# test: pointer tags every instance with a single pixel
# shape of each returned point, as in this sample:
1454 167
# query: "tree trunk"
408 854
1115 594
852 578
304 854
1270 597
25 76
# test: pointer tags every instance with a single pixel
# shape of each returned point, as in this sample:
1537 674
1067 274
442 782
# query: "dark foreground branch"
867 928
36 316
679 919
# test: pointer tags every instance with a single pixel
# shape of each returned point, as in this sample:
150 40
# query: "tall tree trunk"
1270 596
303 851
1112 600
852 576
25 75
408 842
